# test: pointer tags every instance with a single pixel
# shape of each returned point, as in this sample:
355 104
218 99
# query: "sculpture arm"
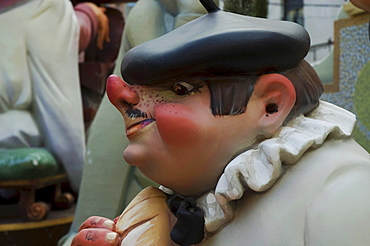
145 22
53 68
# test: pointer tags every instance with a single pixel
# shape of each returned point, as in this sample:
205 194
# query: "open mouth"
138 126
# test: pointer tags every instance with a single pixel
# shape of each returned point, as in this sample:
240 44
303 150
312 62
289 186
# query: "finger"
96 237
97 222
103 9
103 31
103 35
100 41
107 39
100 38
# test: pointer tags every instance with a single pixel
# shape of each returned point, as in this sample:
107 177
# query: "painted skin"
170 128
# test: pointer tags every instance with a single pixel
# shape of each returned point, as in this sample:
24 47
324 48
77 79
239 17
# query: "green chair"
27 170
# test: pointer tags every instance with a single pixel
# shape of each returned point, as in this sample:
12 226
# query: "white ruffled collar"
259 168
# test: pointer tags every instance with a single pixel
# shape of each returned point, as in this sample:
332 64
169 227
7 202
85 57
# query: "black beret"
217 44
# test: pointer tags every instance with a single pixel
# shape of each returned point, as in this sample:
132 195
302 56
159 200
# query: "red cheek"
177 125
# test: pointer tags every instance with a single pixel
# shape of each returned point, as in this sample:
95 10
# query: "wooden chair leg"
30 209
63 200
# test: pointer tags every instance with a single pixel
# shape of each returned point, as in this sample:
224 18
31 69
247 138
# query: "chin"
132 156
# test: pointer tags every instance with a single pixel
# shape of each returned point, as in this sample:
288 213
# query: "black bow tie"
189 228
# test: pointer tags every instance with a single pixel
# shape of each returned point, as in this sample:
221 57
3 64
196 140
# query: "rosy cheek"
177 124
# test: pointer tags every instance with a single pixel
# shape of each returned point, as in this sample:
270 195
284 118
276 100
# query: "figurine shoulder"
339 212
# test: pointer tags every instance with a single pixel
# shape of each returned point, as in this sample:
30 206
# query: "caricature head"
203 93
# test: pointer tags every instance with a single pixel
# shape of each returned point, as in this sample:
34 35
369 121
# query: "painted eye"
183 88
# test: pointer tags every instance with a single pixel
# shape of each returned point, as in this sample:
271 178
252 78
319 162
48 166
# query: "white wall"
275 9
319 17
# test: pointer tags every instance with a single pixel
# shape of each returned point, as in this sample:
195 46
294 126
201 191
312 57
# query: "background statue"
40 98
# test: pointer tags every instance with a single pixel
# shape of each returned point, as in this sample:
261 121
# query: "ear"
273 98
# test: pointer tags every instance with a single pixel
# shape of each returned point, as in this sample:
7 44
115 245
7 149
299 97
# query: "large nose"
121 95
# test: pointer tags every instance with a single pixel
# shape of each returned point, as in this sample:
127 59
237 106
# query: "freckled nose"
119 93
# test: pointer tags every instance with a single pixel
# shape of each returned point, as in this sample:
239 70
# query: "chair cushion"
26 163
